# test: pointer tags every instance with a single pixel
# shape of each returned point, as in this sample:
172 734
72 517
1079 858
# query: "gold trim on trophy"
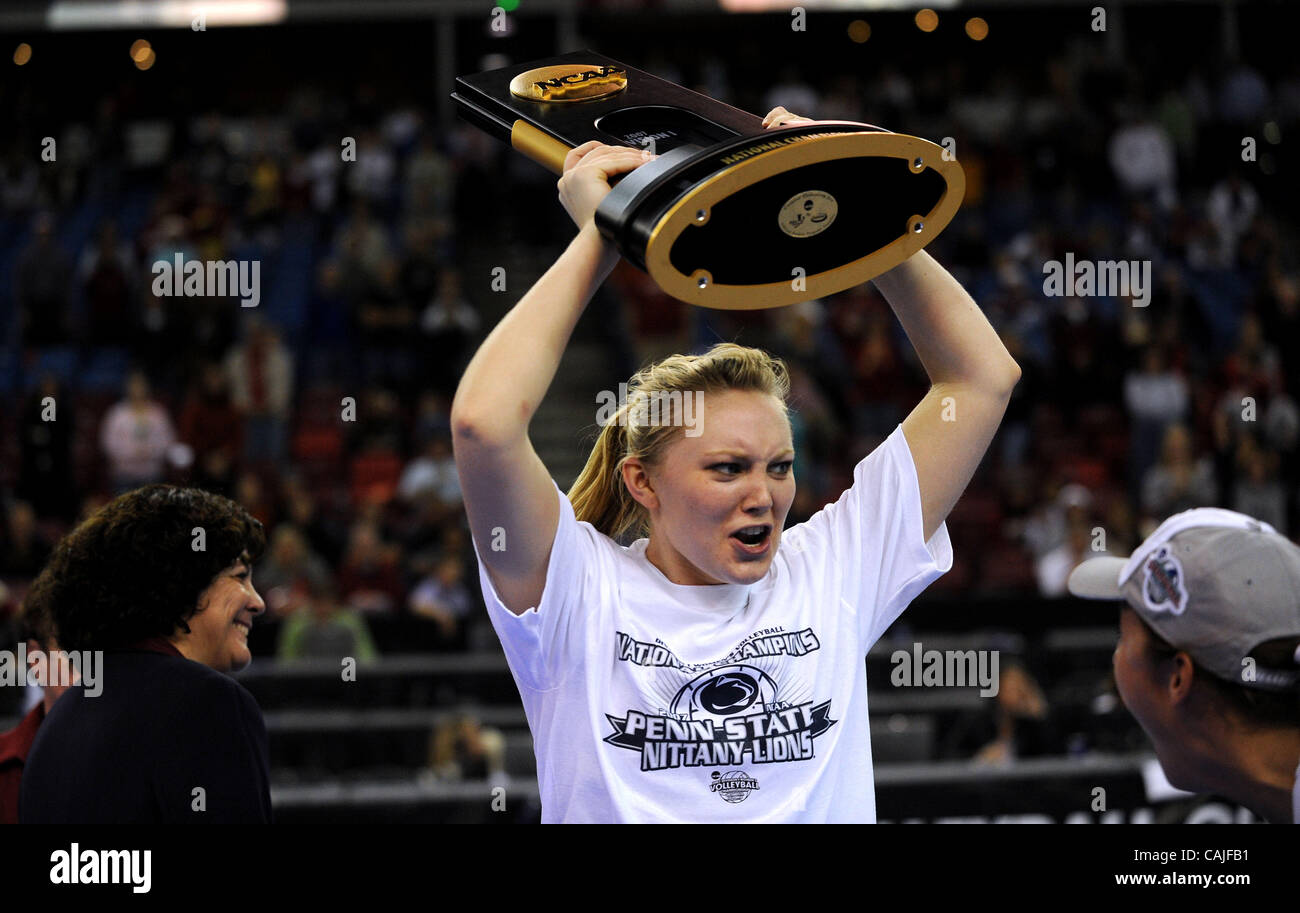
699 289
539 146
569 82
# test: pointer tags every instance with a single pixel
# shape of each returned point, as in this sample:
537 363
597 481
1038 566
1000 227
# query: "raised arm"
508 493
971 377
971 372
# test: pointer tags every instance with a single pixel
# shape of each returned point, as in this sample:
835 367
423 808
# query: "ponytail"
599 496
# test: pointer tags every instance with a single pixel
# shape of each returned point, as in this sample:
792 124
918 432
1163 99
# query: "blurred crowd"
324 411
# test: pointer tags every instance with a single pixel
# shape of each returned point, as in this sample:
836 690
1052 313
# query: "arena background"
1162 138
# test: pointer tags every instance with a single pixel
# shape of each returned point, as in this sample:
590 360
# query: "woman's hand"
587 170
780 117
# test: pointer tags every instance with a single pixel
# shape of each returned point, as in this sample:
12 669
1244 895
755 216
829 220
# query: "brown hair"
129 571
34 618
599 496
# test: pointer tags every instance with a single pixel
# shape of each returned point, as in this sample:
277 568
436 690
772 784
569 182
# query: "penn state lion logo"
720 693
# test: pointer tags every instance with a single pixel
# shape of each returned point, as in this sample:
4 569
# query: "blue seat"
61 361
105 371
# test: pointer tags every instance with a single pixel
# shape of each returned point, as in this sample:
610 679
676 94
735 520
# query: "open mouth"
753 536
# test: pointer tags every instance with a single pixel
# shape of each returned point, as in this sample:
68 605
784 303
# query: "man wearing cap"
1208 658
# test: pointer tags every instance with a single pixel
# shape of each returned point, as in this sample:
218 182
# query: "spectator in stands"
252 494
324 536
135 437
372 178
1142 157
289 559
171 621
106 274
261 383
1180 481
450 325
1256 490
379 426
42 287
45 437
463 749
444 598
418 267
1021 722
322 629
432 474
432 416
25 550
1243 95
1053 568
37 631
361 249
1232 207
385 320
430 180
1156 397
20 187
369 579
212 425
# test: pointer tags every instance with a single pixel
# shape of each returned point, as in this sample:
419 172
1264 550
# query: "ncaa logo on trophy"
729 213
569 82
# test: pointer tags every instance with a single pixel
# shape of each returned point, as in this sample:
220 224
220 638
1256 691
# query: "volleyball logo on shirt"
733 786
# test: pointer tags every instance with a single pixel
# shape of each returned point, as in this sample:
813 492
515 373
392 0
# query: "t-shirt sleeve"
871 541
544 643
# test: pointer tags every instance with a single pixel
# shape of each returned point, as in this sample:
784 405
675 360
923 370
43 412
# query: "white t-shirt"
650 701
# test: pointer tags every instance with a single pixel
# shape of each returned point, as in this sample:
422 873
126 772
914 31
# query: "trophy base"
794 214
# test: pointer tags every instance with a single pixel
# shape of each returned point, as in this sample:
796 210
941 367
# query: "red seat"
374 476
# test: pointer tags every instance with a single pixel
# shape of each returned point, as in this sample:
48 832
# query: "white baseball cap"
1213 582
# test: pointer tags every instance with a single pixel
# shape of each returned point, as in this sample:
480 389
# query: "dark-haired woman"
160 580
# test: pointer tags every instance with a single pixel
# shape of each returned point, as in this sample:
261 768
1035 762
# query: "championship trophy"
729 215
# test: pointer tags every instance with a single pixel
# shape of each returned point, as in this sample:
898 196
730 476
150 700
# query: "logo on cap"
1164 586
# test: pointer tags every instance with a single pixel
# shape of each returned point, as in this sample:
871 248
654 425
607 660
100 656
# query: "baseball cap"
1213 582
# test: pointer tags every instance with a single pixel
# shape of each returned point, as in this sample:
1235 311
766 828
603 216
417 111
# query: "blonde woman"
713 670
